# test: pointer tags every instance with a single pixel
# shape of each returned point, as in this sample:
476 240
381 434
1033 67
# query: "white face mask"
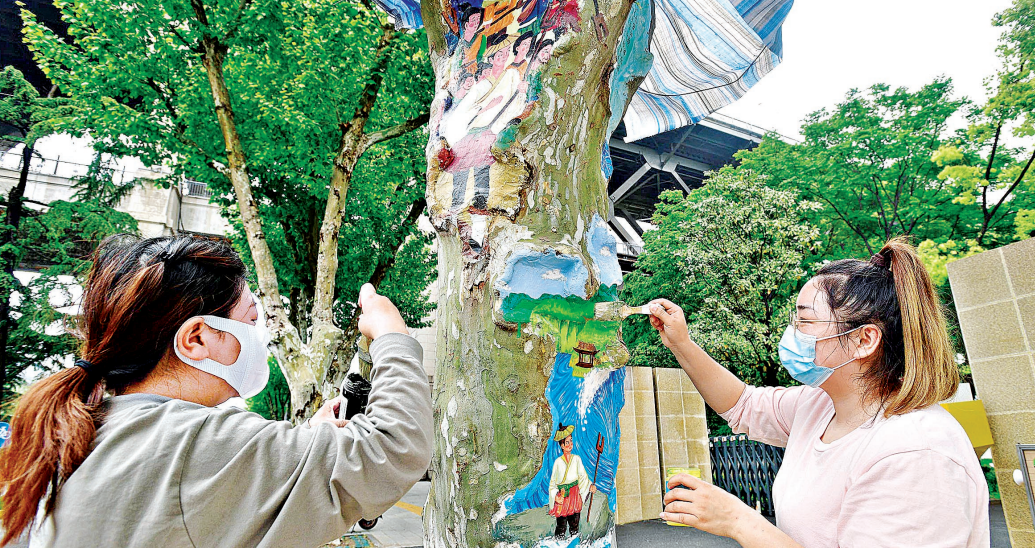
249 373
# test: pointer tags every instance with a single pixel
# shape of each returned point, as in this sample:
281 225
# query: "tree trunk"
517 195
296 360
314 367
9 260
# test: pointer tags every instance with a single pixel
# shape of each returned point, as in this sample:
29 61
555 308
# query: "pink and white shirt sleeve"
765 414
909 480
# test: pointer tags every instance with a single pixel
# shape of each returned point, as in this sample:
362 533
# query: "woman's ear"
189 339
869 341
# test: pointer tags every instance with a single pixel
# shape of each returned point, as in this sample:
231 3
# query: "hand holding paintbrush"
616 311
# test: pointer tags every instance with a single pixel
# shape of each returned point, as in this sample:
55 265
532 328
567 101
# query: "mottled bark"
294 357
545 191
351 147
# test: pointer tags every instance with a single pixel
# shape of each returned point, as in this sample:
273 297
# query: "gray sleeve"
251 482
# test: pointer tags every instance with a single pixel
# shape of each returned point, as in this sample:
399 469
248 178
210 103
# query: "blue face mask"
798 355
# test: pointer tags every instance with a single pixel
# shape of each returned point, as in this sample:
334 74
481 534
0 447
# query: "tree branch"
396 131
381 271
295 360
236 23
196 48
1013 186
991 157
988 182
351 147
869 248
181 129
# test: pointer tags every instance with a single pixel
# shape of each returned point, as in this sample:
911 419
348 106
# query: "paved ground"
656 534
401 527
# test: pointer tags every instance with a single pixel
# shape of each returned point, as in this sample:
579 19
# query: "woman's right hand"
668 319
378 315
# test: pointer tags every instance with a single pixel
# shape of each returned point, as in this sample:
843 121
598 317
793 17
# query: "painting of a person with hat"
569 485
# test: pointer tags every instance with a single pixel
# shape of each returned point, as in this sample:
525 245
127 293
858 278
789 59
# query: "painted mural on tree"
542 292
498 50
529 376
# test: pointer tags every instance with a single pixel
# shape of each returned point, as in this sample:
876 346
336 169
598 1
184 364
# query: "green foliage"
993 483
731 255
870 162
28 115
883 163
936 256
56 244
1014 83
1025 223
296 72
274 402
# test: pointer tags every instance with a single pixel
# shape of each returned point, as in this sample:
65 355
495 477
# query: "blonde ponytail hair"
931 374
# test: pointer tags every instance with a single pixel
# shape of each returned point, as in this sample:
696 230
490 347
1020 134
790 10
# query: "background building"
159 211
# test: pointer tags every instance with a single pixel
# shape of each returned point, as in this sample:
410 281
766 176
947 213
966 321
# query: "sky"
831 46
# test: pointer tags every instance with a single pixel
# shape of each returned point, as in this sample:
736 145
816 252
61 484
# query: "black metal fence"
746 468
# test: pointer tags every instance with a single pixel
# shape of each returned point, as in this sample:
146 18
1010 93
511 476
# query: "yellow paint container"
672 472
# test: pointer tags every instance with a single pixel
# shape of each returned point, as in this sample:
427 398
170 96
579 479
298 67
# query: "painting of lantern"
587 352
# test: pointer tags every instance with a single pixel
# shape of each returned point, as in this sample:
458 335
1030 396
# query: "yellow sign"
672 472
971 415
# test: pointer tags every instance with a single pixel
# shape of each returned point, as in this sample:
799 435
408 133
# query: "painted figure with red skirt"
569 485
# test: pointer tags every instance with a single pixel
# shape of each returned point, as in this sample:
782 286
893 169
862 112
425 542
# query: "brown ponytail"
931 374
914 366
50 436
136 296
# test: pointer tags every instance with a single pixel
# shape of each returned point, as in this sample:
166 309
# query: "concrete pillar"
656 399
639 477
683 427
995 300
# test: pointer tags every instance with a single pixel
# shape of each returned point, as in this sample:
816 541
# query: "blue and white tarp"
706 55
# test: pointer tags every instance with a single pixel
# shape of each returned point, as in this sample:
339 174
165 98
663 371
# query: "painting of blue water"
592 404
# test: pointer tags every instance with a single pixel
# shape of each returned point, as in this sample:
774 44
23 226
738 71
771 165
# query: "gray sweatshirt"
170 473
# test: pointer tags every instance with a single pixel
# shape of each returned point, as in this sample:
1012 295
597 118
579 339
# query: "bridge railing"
57 167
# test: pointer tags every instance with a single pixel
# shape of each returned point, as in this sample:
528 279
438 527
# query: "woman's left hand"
705 507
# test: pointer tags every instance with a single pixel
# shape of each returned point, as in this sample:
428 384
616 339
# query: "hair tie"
880 260
85 364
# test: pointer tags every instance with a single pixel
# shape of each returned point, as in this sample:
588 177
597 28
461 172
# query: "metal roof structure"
674 160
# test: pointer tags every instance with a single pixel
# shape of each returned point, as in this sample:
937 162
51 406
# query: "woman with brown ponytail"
871 460
125 448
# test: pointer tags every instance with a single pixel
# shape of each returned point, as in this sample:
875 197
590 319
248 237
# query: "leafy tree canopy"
297 73
870 163
310 87
731 255
53 242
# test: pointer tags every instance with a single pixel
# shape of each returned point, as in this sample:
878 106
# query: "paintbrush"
615 311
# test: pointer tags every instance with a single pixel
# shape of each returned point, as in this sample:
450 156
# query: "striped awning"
706 55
